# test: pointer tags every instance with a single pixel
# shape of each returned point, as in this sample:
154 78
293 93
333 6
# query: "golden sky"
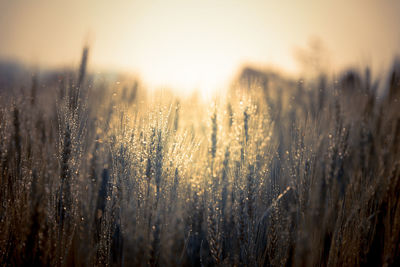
187 43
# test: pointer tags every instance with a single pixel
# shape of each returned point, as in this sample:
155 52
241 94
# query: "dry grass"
278 172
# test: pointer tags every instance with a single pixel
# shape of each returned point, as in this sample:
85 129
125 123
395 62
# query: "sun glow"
186 71
187 45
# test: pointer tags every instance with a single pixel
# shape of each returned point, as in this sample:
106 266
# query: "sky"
188 43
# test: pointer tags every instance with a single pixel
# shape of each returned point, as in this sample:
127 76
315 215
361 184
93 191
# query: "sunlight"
192 45
199 133
186 73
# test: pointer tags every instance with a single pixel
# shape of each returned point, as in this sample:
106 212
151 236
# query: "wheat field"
276 172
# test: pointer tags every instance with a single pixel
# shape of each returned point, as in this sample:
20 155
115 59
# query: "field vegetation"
274 172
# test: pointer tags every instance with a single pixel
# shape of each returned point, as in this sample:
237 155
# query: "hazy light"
196 44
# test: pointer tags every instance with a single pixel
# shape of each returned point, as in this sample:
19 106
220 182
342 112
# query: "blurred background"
186 44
